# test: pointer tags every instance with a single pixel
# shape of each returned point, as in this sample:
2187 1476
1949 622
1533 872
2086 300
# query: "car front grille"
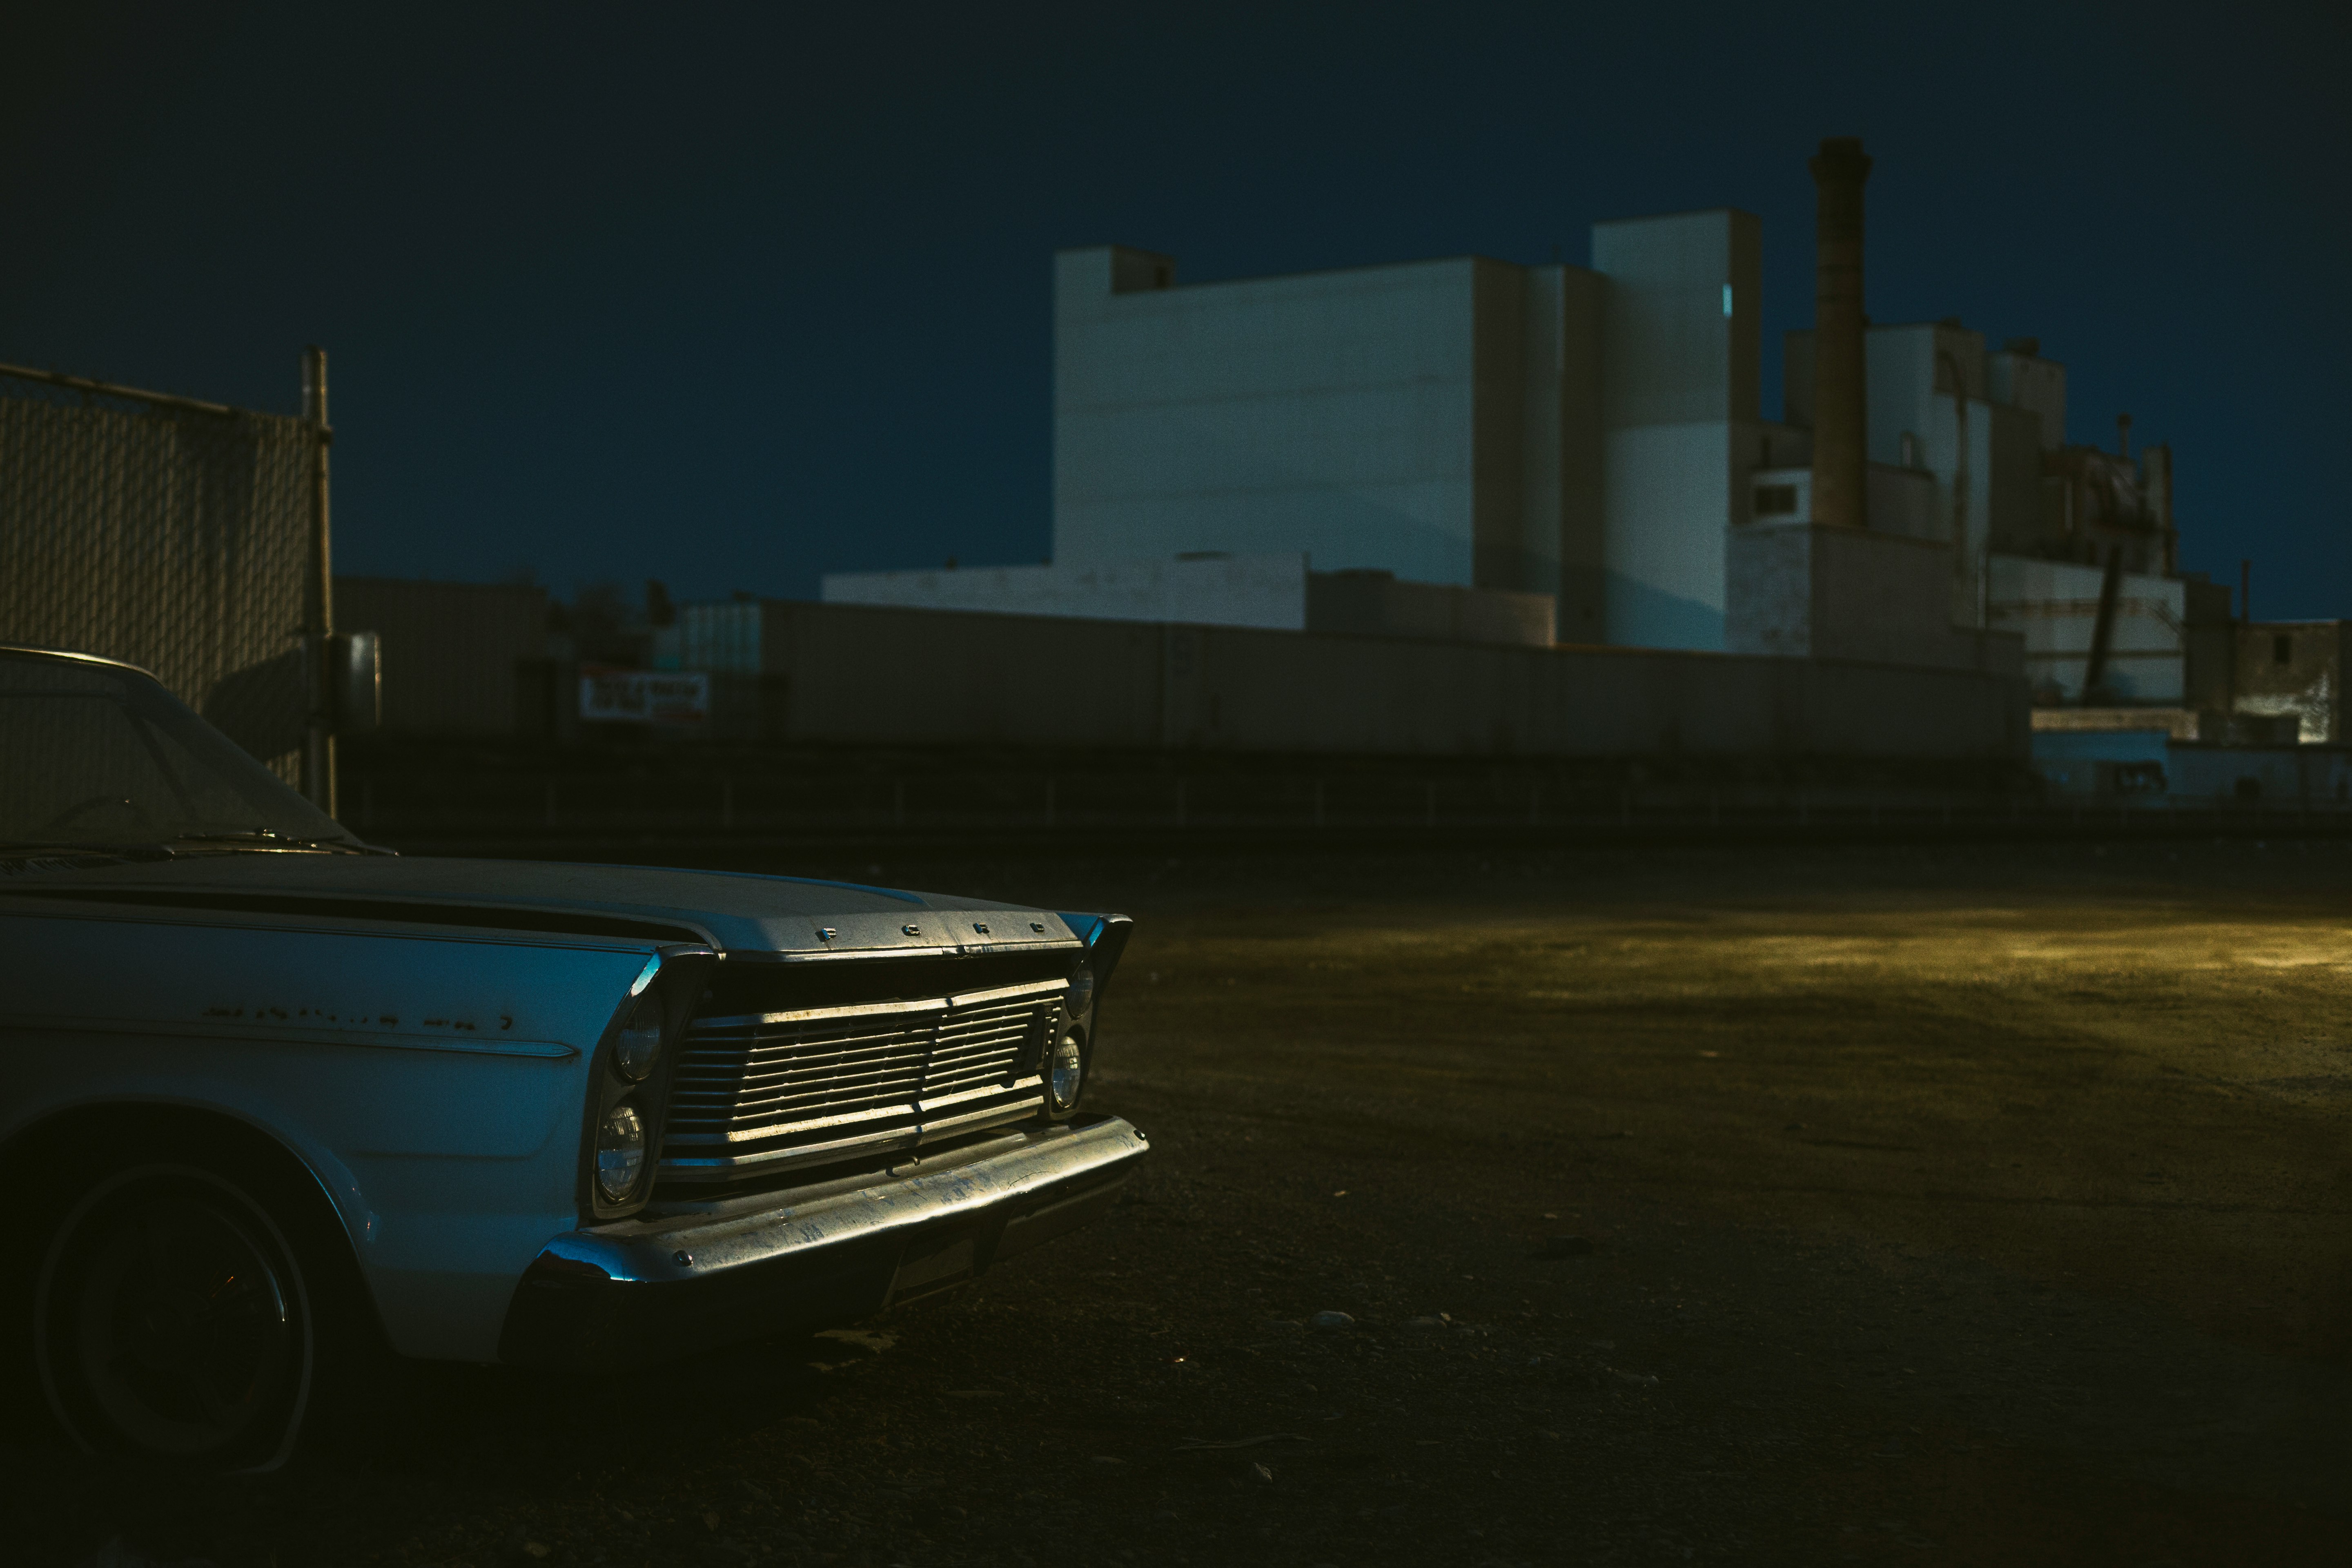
753 1094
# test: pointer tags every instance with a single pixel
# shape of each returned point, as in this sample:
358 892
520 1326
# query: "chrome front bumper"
677 1282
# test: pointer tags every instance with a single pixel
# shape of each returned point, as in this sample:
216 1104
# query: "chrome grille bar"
751 1094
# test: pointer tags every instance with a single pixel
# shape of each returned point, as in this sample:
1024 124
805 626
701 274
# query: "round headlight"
1082 991
1065 1072
620 1152
640 1041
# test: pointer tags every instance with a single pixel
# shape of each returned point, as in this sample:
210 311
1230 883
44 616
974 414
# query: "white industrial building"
1469 450
1465 421
1594 434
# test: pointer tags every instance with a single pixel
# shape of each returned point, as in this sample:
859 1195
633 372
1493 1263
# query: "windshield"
94 755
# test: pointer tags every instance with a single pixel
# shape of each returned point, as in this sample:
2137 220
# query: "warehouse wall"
852 674
449 650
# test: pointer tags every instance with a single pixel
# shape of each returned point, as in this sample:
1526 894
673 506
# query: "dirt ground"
1971 1204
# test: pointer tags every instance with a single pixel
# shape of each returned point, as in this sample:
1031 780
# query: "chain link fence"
170 533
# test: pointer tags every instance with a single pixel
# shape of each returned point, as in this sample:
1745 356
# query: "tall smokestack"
1838 406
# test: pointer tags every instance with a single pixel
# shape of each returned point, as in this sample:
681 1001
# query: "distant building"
456 658
1210 588
2291 673
1458 421
1428 447
1272 593
1595 433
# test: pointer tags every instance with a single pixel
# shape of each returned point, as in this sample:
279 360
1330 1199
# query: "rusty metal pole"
1840 411
319 732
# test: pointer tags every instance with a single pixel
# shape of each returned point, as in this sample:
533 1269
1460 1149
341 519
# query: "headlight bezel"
633 1058
626 1111
1084 985
1069 1046
671 984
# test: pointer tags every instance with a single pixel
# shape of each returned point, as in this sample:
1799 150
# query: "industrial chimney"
1838 387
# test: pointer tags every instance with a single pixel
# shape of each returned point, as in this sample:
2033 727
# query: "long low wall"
853 674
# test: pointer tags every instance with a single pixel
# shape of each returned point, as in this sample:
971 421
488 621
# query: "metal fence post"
319 730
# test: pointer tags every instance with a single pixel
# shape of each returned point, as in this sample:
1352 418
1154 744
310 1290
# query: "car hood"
733 911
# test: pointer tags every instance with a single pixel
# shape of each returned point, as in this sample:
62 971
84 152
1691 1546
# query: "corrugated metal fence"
168 532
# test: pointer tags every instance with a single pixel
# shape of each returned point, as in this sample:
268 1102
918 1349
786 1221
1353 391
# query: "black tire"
175 1321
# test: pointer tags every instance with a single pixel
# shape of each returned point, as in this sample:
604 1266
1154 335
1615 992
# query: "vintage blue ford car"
276 1101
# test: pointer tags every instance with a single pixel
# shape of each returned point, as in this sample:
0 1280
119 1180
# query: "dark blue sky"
733 298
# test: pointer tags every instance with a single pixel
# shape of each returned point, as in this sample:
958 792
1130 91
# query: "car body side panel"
434 1085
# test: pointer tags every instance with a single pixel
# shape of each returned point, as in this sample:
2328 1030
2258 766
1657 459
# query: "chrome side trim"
659 1247
254 1032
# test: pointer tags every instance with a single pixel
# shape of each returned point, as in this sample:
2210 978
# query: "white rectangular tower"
1679 427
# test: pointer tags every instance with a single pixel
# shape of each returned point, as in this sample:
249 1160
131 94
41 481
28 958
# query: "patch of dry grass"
2141 1095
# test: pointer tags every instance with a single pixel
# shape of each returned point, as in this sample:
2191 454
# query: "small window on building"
1909 445
1160 278
2282 649
1776 500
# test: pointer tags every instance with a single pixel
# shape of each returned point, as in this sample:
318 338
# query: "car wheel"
172 1322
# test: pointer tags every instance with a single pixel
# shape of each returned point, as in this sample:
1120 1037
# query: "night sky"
732 298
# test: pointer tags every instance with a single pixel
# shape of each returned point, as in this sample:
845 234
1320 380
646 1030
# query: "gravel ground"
1881 1204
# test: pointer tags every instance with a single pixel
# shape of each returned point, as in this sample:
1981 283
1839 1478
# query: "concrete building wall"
2150 768
1267 591
1561 449
1374 603
2055 605
2293 670
1903 502
1330 415
2272 776
852 674
1937 406
2034 385
1273 593
1434 419
1679 417
1911 367
449 651
1811 590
